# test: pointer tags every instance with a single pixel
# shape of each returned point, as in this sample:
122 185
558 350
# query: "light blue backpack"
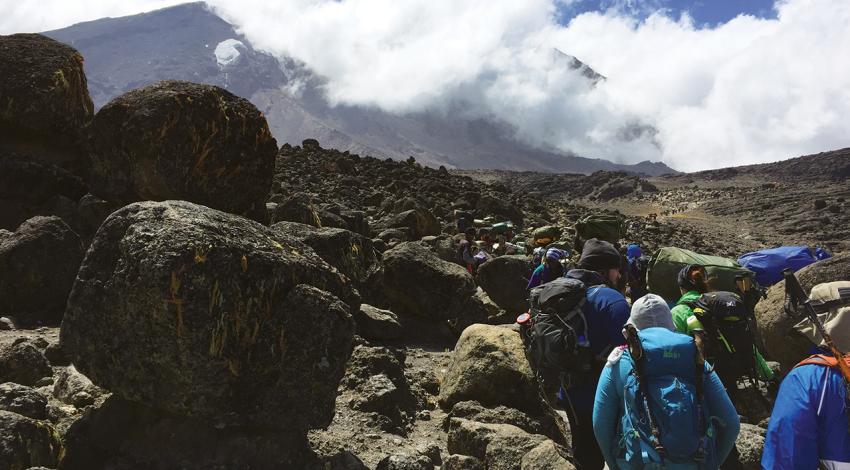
666 419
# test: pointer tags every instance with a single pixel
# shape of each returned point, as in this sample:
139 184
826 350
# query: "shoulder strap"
699 378
823 360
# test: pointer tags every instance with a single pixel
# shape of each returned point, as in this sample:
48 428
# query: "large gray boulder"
784 344
183 140
504 279
416 222
350 253
489 366
417 282
38 264
44 99
205 314
26 442
119 434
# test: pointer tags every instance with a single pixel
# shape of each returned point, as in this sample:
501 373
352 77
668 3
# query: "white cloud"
751 90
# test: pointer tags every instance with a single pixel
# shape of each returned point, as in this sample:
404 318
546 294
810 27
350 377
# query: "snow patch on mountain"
228 54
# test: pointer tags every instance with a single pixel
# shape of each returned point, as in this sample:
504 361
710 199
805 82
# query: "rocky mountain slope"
178 291
181 42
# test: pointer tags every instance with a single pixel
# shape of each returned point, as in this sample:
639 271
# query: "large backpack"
730 342
665 419
557 343
608 227
661 277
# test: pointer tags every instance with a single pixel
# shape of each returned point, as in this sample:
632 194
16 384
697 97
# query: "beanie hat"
555 254
686 281
651 311
633 251
599 255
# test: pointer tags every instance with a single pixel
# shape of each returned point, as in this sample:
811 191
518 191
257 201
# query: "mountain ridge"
179 42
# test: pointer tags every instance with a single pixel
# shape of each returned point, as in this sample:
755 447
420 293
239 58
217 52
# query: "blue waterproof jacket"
541 275
606 312
809 424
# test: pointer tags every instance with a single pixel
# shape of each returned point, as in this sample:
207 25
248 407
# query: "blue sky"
704 12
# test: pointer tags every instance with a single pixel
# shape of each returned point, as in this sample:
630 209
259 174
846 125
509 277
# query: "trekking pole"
798 296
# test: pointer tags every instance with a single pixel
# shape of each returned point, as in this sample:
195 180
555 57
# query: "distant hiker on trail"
466 249
654 392
637 266
810 424
550 268
606 311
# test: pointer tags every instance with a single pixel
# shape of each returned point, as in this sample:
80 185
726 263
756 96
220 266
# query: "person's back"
606 311
809 424
667 372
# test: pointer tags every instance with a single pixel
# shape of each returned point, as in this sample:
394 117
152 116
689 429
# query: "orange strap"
823 360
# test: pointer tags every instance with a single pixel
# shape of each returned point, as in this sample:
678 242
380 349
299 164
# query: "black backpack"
557 342
730 343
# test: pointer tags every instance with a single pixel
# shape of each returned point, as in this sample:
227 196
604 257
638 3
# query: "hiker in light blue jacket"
667 373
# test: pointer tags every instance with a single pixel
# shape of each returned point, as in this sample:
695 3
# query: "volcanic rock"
182 140
25 442
38 264
205 314
350 253
547 455
782 342
405 462
417 222
376 324
22 400
23 363
489 366
74 388
124 435
44 99
297 208
417 282
504 279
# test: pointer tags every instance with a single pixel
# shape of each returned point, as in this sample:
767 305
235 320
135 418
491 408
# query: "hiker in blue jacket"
619 422
549 270
809 425
606 311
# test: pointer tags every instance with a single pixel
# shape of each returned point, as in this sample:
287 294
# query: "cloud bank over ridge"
747 91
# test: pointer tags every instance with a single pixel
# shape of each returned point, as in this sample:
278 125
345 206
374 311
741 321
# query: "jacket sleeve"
605 414
723 414
618 315
535 279
680 318
467 254
792 435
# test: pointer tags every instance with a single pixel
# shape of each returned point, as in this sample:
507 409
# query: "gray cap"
651 311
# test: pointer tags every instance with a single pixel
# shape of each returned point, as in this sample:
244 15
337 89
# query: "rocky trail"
178 292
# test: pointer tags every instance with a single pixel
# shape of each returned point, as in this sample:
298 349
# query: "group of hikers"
645 385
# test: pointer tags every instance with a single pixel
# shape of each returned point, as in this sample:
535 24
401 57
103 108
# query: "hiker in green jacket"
693 282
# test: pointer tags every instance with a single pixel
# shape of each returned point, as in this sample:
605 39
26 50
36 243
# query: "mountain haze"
189 42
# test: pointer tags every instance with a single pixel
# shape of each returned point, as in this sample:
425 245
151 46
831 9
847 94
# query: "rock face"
750 444
22 400
417 282
38 264
29 187
26 442
23 363
417 222
125 435
297 208
204 314
504 279
44 98
377 324
181 140
350 253
782 342
489 366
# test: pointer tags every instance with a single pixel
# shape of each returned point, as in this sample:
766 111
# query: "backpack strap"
699 377
823 360
639 358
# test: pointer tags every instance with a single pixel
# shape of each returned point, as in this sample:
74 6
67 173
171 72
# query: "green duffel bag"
608 227
662 277
551 232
